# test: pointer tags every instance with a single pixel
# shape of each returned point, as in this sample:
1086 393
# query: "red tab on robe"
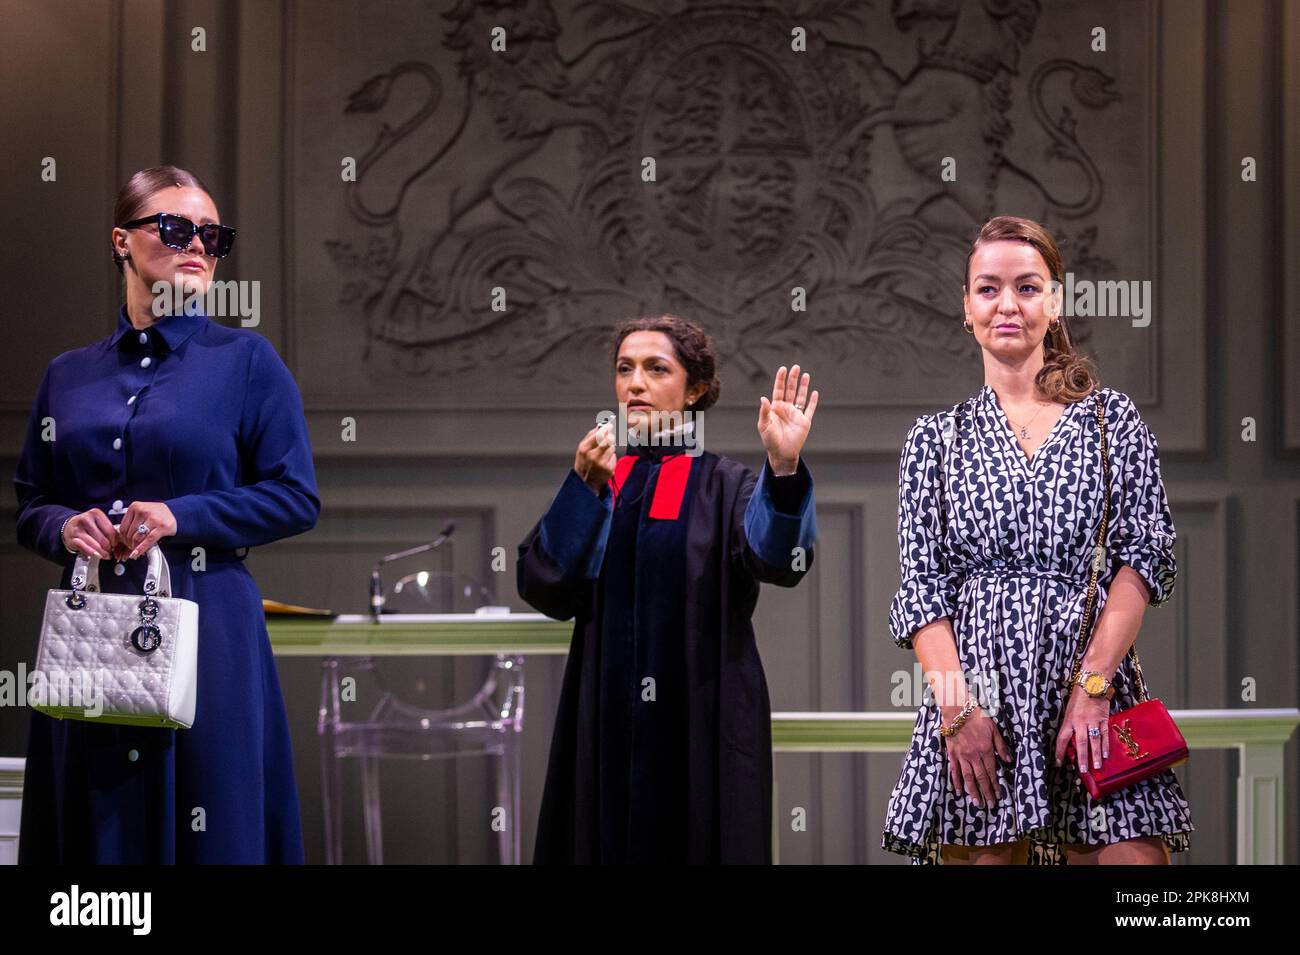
621 470
670 489
667 503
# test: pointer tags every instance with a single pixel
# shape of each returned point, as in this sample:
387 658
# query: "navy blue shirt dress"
208 420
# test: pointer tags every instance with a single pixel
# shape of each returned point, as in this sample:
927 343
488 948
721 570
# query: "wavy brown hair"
1066 375
693 348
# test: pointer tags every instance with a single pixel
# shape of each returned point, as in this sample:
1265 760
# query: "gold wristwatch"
1095 684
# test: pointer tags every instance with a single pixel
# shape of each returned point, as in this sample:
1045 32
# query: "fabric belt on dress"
1011 570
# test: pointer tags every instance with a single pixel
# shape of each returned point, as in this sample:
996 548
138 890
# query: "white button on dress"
145 361
117 444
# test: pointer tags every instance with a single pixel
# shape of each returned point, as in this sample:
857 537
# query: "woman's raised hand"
784 420
595 459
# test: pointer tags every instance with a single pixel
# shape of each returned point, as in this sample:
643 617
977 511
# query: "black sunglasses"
177 232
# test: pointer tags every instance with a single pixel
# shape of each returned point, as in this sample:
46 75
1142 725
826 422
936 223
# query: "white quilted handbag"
119 658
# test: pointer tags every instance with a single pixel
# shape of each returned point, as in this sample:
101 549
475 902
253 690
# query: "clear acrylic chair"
487 724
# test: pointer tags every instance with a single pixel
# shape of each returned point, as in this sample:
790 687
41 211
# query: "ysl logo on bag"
1125 734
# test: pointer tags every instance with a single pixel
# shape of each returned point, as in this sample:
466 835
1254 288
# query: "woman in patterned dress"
999 507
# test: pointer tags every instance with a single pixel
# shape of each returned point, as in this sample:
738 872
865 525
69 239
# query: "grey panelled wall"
775 169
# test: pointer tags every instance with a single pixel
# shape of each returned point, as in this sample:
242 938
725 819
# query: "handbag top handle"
157 580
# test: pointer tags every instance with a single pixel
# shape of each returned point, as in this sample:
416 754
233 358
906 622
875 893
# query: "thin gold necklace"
1024 428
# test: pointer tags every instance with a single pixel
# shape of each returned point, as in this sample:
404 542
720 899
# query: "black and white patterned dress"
1003 550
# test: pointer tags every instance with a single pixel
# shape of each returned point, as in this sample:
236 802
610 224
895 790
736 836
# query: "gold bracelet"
959 720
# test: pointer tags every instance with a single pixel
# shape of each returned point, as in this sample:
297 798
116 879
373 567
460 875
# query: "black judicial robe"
662 747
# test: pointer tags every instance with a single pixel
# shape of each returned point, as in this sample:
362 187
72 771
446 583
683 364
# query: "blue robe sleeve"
1141 532
561 557
40 515
780 525
278 497
928 589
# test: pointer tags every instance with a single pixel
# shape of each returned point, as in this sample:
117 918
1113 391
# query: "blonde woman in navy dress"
182 432
999 506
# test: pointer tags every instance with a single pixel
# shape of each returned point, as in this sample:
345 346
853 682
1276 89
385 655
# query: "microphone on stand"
377 586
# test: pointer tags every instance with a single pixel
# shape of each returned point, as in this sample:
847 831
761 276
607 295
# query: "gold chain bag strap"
1098 557
1147 741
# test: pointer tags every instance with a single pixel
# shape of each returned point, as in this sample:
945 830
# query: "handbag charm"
147 637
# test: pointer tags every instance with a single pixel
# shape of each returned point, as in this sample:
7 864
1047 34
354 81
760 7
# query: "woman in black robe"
662 747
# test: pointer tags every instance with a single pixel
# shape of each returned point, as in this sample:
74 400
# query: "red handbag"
1144 738
1143 741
